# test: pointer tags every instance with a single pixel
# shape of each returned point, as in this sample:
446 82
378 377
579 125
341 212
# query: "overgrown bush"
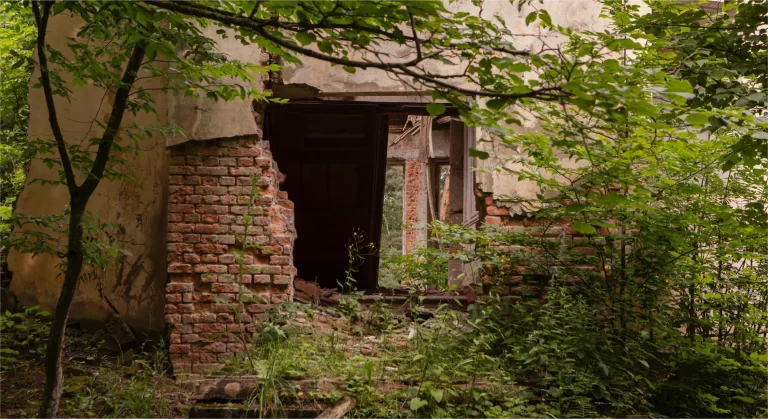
425 267
708 380
24 334
131 388
662 313
643 285
571 362
17 38
647 237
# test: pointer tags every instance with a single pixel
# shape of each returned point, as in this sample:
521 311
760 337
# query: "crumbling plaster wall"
135 284
577 15
202 119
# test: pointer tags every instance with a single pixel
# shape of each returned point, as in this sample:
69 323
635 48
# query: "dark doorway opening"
334 159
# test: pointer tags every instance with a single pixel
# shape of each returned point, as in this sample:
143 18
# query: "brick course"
522 276
209 186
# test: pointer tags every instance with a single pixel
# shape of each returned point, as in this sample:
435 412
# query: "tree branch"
115 119
189 8
415 35
404 67
259 27
45 80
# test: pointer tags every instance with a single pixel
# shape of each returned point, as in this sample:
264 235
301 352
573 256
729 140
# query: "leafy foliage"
722 52
24 335
131 391
480 53
16 43
425 267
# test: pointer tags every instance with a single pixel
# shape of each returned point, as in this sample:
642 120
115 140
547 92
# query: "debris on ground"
321 352
311 293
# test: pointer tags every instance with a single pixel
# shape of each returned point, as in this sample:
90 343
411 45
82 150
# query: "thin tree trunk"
53 370
79 196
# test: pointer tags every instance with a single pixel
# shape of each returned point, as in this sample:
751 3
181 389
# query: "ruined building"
320 160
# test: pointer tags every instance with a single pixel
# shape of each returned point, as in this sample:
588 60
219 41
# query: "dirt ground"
305 358
104 379
96 376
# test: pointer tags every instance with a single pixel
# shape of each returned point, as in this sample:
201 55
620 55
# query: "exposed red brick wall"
523 276
414 181
209 186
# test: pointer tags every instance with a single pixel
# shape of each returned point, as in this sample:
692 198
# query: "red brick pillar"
415 206
209 186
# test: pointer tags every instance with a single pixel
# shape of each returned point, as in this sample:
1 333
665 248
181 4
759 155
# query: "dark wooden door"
334 159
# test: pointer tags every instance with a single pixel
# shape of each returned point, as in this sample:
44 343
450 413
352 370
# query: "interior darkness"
334 159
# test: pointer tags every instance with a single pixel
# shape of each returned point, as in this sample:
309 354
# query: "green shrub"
709 380
425 267
24 335
633 336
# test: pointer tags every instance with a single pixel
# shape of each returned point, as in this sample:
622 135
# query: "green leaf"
682 86
417 403
482 155
349 69
697 119
436 109
530 18
518 68
305 38
496 104
19 63
437 394
612 199
644 109
545 18
603 224
60 6
583 228
142 15
611 66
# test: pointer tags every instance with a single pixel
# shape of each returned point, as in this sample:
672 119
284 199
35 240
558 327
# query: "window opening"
392 221
442 178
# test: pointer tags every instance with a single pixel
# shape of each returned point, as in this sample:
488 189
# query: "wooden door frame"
382 120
